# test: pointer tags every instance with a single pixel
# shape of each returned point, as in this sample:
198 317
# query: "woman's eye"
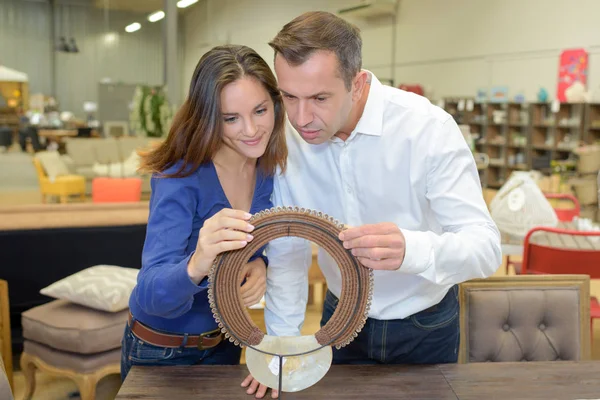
261 111
230 119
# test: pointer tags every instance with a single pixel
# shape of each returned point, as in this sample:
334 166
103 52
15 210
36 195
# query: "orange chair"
563 214
542 259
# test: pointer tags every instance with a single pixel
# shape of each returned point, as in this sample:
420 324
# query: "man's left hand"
377 246
255 286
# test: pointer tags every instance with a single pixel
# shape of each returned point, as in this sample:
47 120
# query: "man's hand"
252 384
255 286
377 246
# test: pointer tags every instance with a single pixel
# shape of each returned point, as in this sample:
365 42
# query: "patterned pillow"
102 287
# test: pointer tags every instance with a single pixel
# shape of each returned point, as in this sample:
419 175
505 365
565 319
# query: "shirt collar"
371 121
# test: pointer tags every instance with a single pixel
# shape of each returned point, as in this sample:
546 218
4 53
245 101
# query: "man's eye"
289 97
321 99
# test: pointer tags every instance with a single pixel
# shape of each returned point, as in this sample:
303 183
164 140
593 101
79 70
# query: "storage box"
586 190
589 159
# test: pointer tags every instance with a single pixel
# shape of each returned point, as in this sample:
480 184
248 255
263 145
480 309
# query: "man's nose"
305 115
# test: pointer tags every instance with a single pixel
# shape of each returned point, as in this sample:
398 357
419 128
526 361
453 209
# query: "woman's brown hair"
196 132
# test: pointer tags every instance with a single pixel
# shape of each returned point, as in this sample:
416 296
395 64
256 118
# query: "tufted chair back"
525 318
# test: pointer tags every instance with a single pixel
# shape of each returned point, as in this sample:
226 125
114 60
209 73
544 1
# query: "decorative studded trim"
357 281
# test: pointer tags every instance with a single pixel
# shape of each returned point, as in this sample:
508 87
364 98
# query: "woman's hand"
226 230
255 273
255 387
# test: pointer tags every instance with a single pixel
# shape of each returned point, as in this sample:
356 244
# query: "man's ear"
359 84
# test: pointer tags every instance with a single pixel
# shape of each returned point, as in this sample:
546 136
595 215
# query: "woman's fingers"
228 234
219 223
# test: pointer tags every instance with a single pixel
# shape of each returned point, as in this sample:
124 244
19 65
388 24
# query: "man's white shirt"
407 163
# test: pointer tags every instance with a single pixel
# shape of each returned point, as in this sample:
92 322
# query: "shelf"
520 167
525 136
591 132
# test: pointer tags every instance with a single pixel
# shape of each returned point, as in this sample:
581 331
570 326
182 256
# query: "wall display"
572 75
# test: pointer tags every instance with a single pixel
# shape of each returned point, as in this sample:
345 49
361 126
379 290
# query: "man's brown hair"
196 133
319 30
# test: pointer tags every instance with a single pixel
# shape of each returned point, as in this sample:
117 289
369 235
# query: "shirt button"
348 189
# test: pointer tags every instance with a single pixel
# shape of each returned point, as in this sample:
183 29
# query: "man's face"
315 97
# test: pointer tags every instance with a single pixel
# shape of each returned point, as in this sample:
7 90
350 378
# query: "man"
397 171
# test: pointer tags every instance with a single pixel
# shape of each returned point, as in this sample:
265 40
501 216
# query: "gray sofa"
94 157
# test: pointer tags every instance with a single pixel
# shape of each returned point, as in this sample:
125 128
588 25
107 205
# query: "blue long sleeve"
165 298
164 287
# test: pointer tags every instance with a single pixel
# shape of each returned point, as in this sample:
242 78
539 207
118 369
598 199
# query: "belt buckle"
201 337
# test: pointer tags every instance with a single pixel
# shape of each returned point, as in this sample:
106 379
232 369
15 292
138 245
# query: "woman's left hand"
255 286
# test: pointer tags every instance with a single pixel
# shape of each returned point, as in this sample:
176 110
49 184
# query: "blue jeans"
427 337
135 351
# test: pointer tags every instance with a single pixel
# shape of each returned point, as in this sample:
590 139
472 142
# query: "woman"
213 171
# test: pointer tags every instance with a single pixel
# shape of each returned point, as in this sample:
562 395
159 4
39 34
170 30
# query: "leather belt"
203 341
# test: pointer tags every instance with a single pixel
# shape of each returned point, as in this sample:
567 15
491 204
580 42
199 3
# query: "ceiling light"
133 27
185 3
110 38
157 16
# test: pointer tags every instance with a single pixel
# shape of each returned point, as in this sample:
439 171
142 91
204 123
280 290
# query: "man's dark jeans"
427 337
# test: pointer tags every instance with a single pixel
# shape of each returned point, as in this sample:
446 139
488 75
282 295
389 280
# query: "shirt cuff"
418 252
265 259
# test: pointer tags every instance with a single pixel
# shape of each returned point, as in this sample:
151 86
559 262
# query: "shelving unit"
524 136
592 123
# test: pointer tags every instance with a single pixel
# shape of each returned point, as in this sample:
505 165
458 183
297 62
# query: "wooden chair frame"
5 338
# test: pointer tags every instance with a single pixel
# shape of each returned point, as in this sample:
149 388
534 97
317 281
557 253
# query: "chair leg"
28 367
87 386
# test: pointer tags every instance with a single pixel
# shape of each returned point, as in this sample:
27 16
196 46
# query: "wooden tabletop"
514 247
521 380
57 132
566 241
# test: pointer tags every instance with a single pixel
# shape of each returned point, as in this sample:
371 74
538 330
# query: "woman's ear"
359 84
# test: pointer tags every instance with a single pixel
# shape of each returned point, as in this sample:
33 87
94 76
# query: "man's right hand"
252 385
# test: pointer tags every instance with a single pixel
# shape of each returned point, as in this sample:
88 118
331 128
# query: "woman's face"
248 116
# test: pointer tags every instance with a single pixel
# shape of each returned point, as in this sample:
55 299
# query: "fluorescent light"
157 16
185 3
133 27
110 38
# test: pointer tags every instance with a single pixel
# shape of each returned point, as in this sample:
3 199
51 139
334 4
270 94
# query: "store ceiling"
145 6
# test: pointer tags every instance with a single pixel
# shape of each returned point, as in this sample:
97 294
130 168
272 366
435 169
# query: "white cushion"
101 287
126 169
53 164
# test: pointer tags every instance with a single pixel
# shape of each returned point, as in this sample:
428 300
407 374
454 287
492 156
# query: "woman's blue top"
165 298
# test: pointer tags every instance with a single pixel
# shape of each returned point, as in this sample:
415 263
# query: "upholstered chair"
525 318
